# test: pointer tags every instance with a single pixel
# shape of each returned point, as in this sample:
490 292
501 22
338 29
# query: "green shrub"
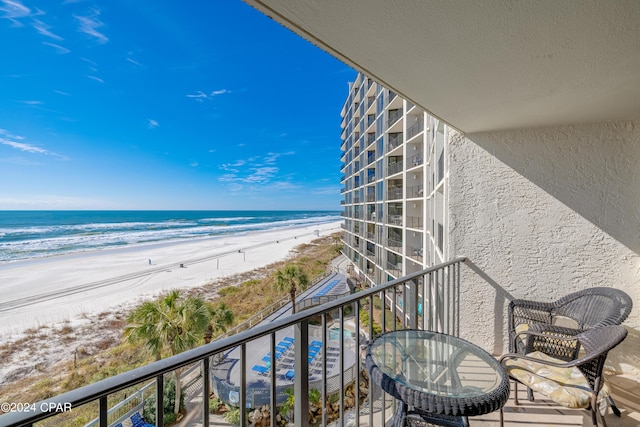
364 317
314 396
149 411
232 416
214 404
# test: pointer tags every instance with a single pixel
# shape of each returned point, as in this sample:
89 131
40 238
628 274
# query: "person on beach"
149 261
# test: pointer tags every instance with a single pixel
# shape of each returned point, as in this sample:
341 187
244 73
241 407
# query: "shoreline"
64 289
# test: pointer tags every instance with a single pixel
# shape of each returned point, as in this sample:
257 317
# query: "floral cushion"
566 386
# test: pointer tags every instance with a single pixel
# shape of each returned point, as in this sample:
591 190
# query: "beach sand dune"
65 289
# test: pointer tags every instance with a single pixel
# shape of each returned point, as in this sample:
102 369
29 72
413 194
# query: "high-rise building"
394 184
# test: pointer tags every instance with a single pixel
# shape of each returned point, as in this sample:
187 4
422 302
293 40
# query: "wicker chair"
588 308
574 383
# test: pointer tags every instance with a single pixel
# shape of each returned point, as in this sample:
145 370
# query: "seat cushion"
566 386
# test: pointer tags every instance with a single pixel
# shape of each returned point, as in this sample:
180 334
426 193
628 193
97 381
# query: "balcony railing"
415 160
394 193
415 191
395 168
428 300
415 129
395 140
415 222
394 116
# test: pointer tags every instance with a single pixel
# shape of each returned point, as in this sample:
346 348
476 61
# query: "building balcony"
415 129
395 168
415 191
393 116
394 141
331 361
394 194
416 222
415 160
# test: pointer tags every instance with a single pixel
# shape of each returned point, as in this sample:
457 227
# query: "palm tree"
221 318
291 278
169 325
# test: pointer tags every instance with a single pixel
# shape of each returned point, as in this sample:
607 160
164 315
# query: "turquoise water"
34 234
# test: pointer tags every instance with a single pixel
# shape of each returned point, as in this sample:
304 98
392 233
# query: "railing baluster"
206 389
301 376
103 411
160 400
371 318
341 364
358 363
450 301
459 290
394 308
243 385
272 387
325 344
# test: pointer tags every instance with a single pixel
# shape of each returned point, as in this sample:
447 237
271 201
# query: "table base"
415 417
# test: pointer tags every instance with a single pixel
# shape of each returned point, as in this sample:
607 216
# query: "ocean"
27 235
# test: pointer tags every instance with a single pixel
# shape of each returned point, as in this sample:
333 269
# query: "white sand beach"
67 288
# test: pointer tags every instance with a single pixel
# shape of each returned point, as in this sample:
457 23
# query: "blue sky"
160 104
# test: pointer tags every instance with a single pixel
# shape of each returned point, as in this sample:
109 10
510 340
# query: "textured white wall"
541 213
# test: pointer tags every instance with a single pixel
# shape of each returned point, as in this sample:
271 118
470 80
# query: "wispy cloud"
13 9
90 24
59 49
98 79
18 142
201 96
134 62
59 92
43 29
257 170
31 102
198 96
151 124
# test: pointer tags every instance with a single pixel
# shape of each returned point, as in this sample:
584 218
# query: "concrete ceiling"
485 65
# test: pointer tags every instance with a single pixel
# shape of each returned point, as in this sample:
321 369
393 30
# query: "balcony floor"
543 412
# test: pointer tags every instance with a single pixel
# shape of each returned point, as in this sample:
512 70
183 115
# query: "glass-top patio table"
437 378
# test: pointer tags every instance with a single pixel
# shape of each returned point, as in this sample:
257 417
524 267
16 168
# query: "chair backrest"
595 307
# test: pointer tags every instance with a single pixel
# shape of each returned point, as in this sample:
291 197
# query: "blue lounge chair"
137 421
291 340
260 369
289 375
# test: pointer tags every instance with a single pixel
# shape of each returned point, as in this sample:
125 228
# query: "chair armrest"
534 359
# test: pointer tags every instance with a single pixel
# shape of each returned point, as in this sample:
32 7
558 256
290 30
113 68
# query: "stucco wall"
541 213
